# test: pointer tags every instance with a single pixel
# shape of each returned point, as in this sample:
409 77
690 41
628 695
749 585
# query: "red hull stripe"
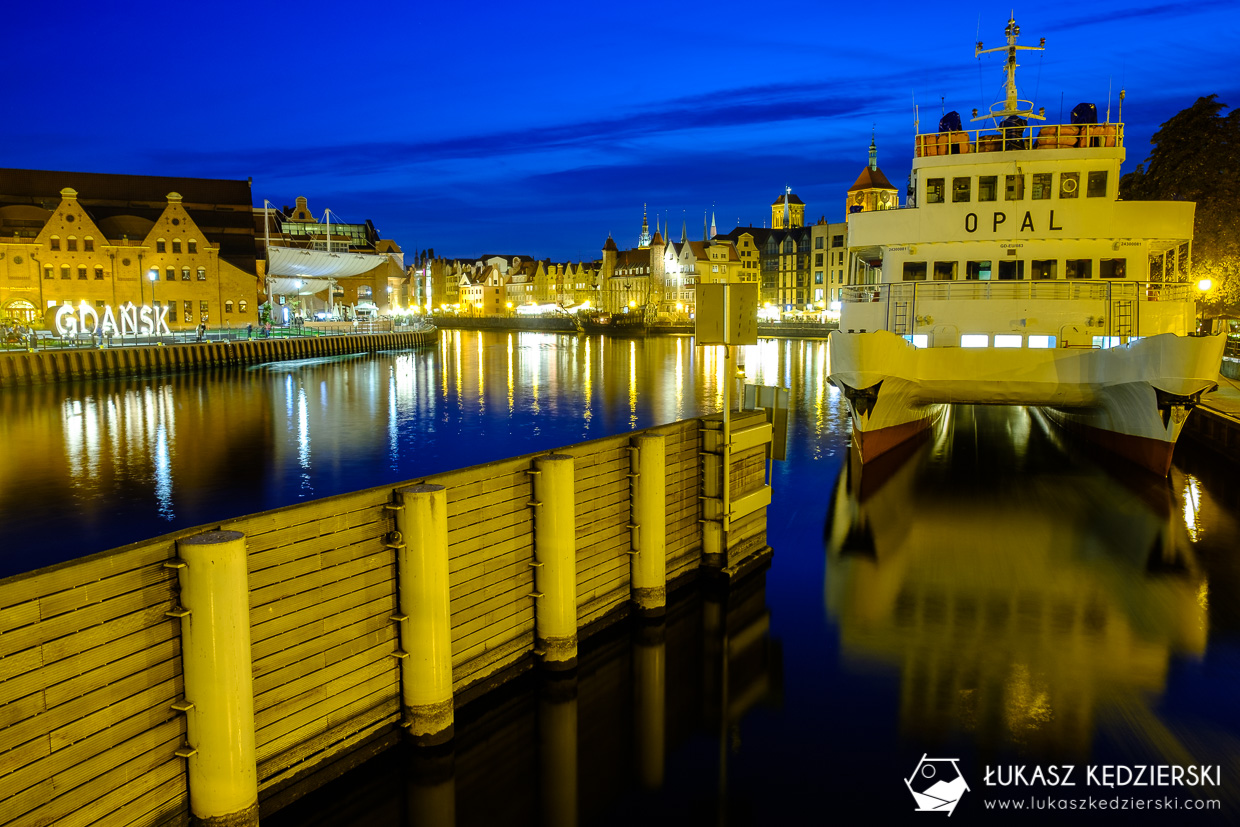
1153 454
872 444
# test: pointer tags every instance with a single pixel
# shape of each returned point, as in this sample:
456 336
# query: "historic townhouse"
189 251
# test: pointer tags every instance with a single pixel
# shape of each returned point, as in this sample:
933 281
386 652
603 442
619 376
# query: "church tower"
872 190
643 240
787 211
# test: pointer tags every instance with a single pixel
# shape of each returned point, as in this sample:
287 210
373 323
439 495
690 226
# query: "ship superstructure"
1016 276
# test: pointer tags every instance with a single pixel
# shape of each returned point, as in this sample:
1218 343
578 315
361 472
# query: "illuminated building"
316 266
96 240
871 190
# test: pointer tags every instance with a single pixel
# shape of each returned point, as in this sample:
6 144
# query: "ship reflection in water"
1030 600
650 706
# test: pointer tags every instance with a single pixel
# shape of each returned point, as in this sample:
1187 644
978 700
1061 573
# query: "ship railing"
1013 138
1036 289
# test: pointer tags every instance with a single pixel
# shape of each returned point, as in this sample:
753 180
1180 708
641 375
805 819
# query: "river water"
995 595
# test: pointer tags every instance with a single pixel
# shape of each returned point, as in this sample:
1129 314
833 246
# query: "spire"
705 228
873 151
644 239
713 231
787 214
684 230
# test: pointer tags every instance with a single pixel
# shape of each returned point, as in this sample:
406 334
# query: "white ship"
1020 278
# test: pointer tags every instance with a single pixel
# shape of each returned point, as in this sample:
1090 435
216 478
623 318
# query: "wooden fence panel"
603 500
491 546
323 592
89 667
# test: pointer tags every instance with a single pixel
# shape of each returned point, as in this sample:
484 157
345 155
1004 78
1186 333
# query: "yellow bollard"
426 631
648 570
650 685
555 552
219 678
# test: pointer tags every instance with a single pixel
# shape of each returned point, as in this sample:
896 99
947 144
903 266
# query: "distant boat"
631 325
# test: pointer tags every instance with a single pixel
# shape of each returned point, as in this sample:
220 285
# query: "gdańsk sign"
148 321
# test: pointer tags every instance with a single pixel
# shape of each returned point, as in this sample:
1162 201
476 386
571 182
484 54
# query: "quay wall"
93 697
42 366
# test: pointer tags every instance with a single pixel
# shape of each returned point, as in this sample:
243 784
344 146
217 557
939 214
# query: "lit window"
1106 342
184 274
1041 186
975 340
1041 341
228 306
202 273
47 272
934 191
241 306
1008 340
917 339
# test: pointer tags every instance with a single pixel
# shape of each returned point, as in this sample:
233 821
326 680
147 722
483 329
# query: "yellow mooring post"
219 679
555 561
648 571
424 616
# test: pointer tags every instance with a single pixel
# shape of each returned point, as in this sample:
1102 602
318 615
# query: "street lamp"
1203 287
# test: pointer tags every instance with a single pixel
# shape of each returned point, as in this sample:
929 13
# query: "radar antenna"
1012 104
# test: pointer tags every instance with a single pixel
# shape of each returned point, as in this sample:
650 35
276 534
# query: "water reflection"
116 461
591 747
1027 600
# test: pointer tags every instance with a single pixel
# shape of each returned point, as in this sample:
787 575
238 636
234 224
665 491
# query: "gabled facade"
57 252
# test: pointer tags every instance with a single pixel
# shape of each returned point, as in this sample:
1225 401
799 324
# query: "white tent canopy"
311 264
285 286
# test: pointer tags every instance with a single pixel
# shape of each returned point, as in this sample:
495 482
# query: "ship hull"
1131 400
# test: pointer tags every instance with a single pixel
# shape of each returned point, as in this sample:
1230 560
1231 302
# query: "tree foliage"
1196 157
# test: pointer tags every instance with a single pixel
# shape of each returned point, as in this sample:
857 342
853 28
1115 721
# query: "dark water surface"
996 595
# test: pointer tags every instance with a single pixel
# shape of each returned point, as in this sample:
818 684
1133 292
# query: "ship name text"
1000 218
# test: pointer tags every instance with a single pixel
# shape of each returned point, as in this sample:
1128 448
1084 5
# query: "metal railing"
1039 289
1008 139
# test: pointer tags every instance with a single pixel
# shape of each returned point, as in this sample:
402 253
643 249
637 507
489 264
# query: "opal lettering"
148 321
1026 224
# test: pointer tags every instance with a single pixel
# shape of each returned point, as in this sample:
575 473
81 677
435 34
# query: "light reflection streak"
481 372
457 368
1192 507
632 384
303 436
163 474
393 451
589 389
510 386
680 378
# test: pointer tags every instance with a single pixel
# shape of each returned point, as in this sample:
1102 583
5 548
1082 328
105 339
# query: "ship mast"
1012 105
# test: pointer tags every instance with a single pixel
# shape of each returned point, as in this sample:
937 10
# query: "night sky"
540 128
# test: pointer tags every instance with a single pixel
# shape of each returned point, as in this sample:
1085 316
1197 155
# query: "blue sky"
541 128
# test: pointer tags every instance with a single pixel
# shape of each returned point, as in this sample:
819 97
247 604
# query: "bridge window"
1041 341
977 270
1046 269
1068 184
1011 270
934 191
1097 185
987 187
914 271
975 340
1112 268
944 271
1015 188
962 190
1041 186
1078 268
1008 340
